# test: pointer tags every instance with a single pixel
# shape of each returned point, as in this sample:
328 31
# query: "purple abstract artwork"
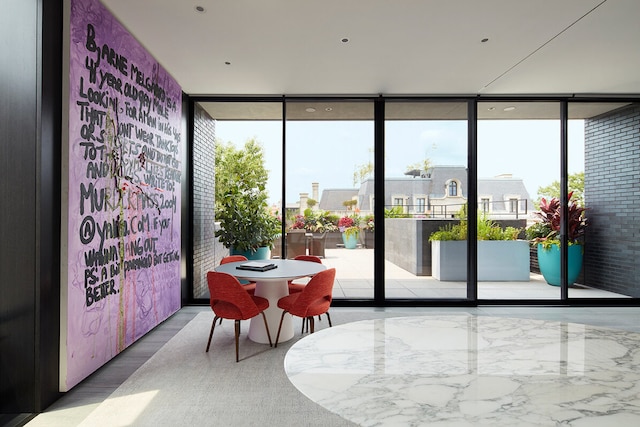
124 192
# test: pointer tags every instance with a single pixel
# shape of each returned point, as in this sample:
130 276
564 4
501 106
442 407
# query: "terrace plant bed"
498 260
501 256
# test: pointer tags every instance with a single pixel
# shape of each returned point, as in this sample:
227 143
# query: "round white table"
272 285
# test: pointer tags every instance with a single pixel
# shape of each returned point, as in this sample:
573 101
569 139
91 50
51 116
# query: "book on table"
257 266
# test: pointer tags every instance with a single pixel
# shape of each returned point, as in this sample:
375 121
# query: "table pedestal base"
272 290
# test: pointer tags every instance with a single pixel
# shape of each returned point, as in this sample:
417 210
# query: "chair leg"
266 326
329 318
237 328
213 326
280 327
311 320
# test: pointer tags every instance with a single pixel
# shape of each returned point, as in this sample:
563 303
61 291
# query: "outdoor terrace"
355 270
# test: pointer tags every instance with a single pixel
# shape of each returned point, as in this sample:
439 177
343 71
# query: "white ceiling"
417 47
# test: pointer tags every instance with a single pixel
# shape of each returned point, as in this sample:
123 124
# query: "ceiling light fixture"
484 40
345 40
328 109
200 9
310 110
491 108
509 108
227 63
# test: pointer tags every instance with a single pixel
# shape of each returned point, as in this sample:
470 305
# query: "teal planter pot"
549 263
350 242
261 253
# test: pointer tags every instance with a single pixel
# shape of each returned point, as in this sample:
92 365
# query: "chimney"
303 202
314 192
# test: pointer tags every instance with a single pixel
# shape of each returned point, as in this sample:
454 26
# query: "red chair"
229 300
298 287
314 300
248 286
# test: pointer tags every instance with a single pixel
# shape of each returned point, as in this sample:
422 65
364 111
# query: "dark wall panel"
18 149
29 211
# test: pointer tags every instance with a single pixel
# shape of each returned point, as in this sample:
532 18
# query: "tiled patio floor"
354 279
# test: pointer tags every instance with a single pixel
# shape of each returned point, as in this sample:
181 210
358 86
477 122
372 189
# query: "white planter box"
498 260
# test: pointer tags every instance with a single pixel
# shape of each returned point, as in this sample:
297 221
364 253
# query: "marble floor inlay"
467 370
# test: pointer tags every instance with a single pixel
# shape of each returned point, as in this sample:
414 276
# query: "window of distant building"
420 205
453 188
484 203
398 201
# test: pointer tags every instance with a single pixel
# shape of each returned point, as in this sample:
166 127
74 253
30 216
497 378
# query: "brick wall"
207 251
612 195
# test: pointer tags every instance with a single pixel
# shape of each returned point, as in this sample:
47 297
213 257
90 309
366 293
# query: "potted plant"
349 226
501 255
246 225
545 235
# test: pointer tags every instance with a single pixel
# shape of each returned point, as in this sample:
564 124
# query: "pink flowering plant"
299 223
349 225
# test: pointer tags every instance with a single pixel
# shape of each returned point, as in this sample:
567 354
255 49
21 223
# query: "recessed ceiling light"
509 108
484 40
310 110
227 63
491 108
344 40
328 109
200 9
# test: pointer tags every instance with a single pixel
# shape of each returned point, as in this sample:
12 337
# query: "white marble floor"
464 369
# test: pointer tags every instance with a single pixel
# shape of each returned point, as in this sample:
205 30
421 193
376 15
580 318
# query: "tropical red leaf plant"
550 215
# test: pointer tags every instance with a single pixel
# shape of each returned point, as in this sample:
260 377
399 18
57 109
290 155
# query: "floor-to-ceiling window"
321 161
241 127
329 177
425 196
518 160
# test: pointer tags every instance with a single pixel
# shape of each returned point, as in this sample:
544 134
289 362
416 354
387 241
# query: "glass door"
518 158
425 199
237 180
329 189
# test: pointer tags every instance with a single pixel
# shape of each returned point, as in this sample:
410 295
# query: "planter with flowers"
349 226
369 232
545 235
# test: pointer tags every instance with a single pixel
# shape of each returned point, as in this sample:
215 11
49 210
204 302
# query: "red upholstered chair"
248 286
314 300
229 300
298 287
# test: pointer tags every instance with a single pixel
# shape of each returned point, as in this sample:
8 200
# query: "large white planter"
498 260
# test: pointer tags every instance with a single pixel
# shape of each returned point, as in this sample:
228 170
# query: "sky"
330 152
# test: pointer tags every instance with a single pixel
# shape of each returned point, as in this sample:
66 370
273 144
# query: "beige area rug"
181 385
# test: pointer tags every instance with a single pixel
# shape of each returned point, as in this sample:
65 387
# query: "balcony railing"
515 208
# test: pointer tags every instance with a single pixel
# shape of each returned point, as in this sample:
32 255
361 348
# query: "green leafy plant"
486 229
241 199
575 185
396 212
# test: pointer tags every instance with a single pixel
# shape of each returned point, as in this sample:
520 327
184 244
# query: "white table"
272 285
